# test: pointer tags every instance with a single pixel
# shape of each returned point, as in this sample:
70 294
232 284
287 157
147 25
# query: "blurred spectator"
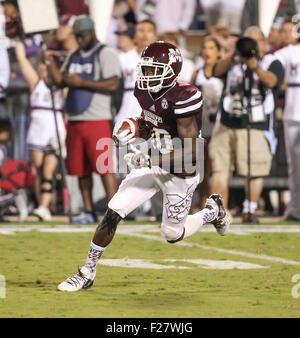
212 11
199 18
13 24
64 33
297 6
225 38
75 7
231 14
289 57
245 104
42 137
4 79
250 16
124 10
145 33
17 91
5 136
129 58
91 73
111 38
274 39
287 35
2 21
211 88
5 124
119 17
279 164
168 15
188 65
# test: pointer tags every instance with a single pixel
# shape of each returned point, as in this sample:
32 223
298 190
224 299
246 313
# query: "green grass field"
33 263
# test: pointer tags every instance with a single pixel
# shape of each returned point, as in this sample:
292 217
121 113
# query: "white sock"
94 256
194 222
40 207
249 207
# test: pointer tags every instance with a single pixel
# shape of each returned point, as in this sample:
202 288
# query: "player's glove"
122 137
137 160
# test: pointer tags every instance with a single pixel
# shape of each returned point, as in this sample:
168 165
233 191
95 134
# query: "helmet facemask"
163 75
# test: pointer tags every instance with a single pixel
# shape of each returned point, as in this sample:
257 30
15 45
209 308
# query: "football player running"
171 109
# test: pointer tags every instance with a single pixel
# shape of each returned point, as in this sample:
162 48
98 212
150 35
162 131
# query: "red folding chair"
16 174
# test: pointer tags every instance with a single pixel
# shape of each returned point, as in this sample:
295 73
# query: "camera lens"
247 47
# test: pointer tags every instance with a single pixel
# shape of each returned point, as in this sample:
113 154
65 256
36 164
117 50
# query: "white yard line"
227 251
127 262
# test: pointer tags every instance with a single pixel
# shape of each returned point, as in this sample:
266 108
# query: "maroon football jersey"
181 100
160 114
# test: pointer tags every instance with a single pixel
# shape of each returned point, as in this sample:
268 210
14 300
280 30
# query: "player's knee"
115 205
171 235
47 185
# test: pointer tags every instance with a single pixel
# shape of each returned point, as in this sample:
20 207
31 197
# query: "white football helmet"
160 66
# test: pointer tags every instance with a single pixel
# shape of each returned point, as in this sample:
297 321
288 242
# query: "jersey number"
162 141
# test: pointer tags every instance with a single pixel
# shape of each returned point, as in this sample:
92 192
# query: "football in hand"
132 124
137 126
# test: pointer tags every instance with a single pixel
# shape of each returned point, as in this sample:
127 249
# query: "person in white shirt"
230 15
2 21
297 6
212 11
287 35
289 57
42 138
188 66
129 58
210 85
168 15
143 34
4 74
211 88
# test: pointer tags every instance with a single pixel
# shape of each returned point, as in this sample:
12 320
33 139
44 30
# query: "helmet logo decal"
174 55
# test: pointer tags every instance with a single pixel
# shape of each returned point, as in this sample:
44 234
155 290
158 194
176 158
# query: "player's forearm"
107 85
57 75
20 50
223 66
267 78
28 71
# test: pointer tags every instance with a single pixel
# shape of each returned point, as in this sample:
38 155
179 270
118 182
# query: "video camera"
247 48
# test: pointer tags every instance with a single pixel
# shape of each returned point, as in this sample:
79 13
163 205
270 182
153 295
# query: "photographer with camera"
240 141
